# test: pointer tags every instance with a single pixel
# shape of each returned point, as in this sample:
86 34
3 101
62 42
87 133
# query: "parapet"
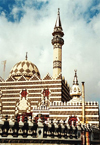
65 103
73 103
41 131
91 103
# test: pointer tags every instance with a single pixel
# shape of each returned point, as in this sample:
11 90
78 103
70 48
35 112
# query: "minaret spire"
58 21
57 43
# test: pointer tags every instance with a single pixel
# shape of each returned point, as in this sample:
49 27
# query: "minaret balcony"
58 32
57 40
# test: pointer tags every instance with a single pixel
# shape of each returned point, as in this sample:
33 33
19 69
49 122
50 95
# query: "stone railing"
49 131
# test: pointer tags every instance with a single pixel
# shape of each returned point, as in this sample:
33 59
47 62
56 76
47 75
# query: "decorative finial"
75 81
58 11
75 71
26 55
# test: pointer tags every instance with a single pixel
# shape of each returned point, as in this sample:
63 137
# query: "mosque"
25 93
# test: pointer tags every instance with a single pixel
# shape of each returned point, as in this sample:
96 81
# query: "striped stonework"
59 110
59 105
11 92
92 113
57 64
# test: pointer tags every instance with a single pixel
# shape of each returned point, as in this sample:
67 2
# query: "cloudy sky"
27 26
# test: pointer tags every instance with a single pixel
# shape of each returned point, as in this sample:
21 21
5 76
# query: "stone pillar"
83 103
40 128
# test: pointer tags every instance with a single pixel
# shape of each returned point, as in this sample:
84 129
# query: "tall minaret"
57 43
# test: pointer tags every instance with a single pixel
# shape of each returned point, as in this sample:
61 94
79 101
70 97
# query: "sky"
27 26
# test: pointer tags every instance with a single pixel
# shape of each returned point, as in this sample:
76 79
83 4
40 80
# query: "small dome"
75 90
24 68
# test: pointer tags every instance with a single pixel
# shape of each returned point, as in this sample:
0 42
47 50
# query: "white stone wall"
57 56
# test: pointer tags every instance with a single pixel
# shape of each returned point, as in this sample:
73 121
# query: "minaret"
57 43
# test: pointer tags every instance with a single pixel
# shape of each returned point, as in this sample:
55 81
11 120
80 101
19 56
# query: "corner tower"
57 43
75 90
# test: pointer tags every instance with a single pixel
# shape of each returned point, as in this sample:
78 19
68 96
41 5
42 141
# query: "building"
25 93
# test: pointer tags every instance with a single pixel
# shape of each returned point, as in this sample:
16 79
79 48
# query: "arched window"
72 120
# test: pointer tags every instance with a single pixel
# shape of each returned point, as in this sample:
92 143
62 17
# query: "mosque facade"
25 93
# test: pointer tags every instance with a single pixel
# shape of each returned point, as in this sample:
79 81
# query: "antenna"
4 68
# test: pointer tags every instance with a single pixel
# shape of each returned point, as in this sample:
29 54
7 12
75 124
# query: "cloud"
31 31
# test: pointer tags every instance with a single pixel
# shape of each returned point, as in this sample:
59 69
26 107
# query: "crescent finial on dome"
26 56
